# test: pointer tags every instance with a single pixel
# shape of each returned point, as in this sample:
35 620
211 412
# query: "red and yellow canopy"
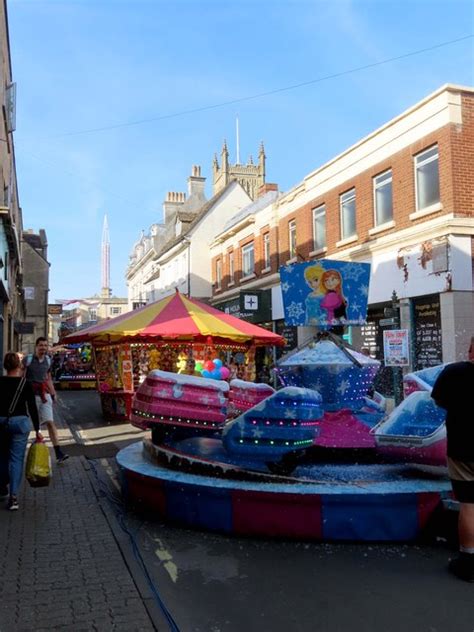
173 319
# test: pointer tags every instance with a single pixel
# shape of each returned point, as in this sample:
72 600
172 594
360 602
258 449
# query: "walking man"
38 371
453 391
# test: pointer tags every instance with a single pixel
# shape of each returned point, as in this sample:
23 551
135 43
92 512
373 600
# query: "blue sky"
88 64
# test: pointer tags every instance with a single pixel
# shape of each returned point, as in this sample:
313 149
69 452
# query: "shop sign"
289 333
253 306
55 309
395 347
427 331
24 327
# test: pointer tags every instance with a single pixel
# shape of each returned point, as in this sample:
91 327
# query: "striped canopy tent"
176 318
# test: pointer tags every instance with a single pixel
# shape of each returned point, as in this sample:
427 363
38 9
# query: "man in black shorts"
453 391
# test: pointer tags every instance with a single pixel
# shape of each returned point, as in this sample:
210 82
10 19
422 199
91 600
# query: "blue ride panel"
201 506
343 378
391 517
417 415
284 422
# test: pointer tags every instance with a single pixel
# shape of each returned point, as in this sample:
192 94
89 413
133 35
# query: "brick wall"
403 188
462 154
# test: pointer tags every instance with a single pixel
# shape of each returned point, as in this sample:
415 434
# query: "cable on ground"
119 512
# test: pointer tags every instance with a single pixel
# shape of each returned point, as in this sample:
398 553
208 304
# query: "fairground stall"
171 335
72 367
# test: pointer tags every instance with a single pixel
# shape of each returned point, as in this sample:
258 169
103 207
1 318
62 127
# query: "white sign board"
395 347
251 302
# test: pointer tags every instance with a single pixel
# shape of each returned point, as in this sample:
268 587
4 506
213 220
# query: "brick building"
401 198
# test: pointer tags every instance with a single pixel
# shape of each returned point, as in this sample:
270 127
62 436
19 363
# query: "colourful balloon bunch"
213 369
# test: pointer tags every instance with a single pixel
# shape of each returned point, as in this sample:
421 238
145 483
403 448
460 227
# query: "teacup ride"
173 404
271 471
415 431
244 395
344 378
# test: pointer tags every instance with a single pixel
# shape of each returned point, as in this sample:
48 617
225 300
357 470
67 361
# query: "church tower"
250 176
106 292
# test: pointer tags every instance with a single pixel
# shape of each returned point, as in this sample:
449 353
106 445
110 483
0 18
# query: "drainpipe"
188 241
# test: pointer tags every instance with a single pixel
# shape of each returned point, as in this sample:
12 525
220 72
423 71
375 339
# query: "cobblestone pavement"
61 567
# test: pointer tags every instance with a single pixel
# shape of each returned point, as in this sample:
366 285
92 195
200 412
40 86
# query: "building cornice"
132 270
175 250
230 232
435 111
432 229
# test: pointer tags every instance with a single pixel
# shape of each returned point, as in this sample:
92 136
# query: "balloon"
217 363
199 367
209 365
216 374
224 373
206 373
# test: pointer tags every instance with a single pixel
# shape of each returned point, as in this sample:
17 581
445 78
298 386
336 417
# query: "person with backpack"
37 368
17 401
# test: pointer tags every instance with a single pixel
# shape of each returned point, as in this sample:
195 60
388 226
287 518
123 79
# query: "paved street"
61 565
74 569
214 583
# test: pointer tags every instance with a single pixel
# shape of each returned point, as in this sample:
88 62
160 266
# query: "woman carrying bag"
17 400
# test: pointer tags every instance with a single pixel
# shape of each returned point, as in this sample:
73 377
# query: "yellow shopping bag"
38 465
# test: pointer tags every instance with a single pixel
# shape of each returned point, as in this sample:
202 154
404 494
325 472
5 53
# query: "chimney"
44 242
196 182
265 188
174 201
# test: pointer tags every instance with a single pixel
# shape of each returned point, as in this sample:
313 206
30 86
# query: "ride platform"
193 482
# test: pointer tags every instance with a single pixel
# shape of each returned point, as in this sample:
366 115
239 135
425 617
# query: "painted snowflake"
343 387
352 271
289 268
295 310
257 432
318 385
285 287
364 290
177 391
290 413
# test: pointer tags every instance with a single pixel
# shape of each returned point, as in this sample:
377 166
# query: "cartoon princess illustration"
334 302
313 275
